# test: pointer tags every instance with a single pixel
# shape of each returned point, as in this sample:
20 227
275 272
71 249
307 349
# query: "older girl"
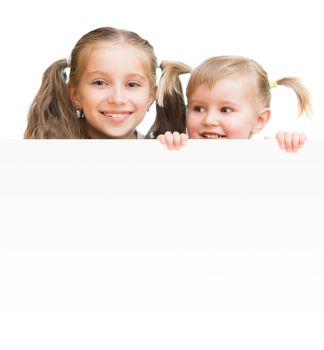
111 86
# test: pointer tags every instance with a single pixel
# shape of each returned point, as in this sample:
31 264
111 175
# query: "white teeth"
116 115
213 136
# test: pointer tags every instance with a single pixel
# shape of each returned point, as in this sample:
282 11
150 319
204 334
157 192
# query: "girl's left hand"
290 141
173 140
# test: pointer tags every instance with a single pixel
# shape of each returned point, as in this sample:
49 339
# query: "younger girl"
111 86
228 97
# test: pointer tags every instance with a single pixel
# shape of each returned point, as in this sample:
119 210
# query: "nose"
212 118
117 95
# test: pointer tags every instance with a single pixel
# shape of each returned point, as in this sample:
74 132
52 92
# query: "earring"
79 113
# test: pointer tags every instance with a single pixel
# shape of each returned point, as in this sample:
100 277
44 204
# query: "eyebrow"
228 102
222 102
195 102
129 76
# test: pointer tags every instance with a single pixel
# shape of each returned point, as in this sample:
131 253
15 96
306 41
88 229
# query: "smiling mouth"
116 118
212 135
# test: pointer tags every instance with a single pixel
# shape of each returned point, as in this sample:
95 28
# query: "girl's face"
114 91
230 109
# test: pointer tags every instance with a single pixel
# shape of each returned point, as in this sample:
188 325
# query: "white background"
283 36
124 245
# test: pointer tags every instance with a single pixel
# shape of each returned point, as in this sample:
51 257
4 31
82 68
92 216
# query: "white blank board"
124 245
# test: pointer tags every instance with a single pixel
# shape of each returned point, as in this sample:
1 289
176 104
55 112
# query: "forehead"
110 57
235 87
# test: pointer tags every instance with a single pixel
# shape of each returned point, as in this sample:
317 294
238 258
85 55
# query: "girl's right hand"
291 142
173 140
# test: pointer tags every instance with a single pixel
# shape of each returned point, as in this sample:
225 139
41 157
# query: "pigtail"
170 106
52 115
303 95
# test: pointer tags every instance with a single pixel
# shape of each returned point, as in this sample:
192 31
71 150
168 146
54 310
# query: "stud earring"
79 113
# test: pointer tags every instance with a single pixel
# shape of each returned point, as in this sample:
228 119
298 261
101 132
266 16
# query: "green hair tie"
272 84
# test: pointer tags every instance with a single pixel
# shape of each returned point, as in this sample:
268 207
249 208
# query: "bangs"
216 68
144 57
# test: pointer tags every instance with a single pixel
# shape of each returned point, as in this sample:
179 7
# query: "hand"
290 142
173 140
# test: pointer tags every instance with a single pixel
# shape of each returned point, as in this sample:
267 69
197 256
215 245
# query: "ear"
74 95
262 120
152 96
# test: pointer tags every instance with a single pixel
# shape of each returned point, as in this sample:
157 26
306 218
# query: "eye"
99 82
226 110
199 109
133 84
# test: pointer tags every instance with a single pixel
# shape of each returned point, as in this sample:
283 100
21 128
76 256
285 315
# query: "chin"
121 135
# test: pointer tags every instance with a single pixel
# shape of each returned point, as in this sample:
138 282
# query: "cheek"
90 97
192 124
238 129
141 99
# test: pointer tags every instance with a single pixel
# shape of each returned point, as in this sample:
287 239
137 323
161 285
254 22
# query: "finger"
295 141
302 140
184 139
169 140
161 138
281 139
288 141
176 140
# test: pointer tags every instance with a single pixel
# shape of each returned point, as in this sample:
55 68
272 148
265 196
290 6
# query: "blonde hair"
170 106
52 114
216 68
208 73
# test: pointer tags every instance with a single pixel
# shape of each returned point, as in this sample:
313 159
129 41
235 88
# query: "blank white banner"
124 245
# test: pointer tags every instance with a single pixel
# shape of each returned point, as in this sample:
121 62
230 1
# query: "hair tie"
161 66
272 84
